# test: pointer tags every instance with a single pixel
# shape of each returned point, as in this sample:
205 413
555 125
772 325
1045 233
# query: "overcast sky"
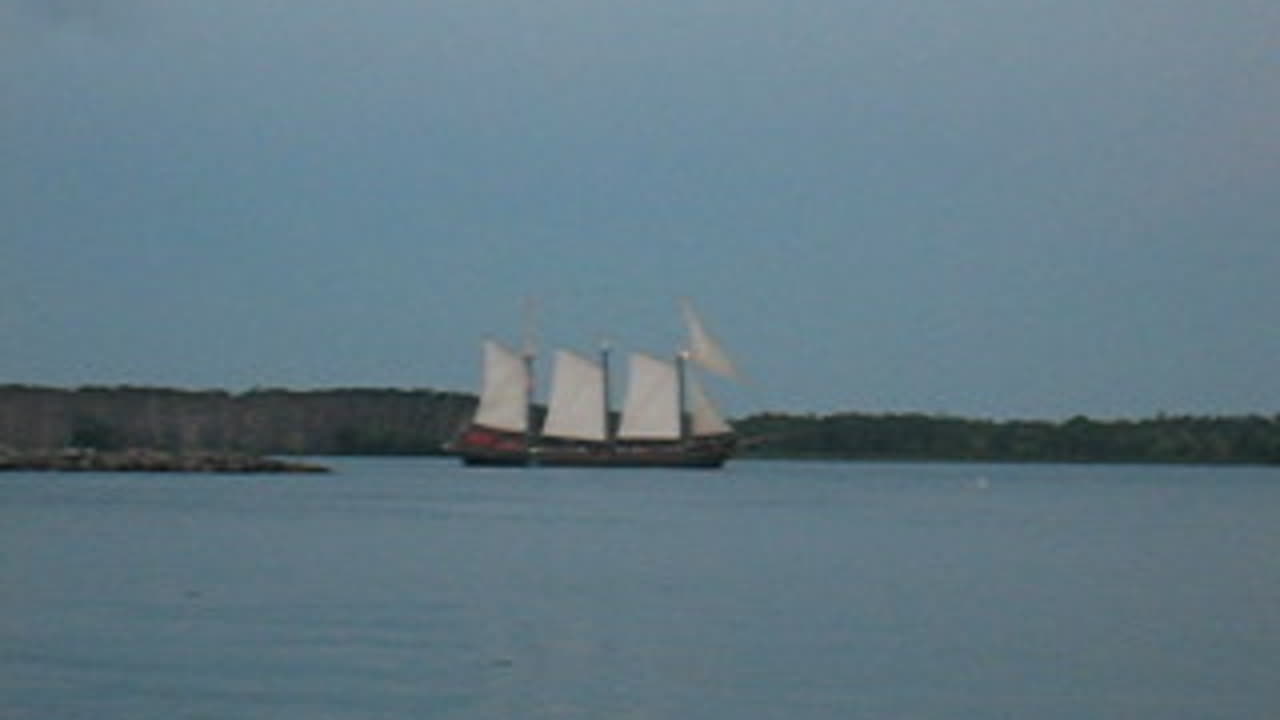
980 207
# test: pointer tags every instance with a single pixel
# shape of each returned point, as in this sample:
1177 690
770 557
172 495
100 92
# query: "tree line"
390 421
261 421
914 436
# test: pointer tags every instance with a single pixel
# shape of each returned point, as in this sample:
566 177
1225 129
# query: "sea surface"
414 588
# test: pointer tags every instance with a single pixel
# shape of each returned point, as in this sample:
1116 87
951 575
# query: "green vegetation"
1164 439
260 421
419 422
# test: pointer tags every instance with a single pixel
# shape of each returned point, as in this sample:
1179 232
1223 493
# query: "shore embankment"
145 460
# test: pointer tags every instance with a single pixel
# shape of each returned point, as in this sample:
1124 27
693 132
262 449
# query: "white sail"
576 407
651 408
705 418
504 397
703 348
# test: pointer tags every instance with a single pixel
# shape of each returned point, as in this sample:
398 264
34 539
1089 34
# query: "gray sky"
997 207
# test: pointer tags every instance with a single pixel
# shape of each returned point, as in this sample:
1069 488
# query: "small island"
75 459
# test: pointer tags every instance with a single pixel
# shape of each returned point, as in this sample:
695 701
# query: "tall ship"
666 418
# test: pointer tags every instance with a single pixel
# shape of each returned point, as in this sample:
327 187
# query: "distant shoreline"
388 421
1165 439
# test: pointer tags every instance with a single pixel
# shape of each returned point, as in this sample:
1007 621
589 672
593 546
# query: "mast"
529 434
604 382
681 391
529 351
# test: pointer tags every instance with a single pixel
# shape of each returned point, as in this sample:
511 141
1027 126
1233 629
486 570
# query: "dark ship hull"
483 448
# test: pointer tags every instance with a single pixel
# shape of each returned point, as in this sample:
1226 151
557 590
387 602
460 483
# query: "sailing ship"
666 420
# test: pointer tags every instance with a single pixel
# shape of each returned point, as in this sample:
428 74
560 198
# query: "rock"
147 460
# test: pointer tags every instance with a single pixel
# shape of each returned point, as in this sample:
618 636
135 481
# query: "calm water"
417 589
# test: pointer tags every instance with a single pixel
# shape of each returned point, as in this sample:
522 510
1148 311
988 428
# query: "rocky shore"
143 460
